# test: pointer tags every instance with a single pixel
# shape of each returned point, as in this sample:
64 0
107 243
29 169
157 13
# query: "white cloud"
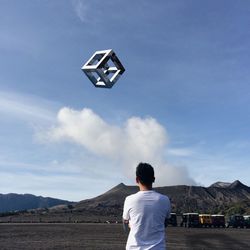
138 139
26 107
81 9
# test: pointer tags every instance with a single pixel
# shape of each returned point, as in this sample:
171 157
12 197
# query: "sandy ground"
111 236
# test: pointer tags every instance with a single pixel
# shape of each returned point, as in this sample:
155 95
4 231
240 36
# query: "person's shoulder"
162 197
131 197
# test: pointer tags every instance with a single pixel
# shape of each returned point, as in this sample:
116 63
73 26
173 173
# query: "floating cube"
103 69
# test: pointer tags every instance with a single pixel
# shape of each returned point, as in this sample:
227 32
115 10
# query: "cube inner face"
110 69
96 79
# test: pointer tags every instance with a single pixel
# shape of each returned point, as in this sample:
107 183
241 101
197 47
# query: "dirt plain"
111 236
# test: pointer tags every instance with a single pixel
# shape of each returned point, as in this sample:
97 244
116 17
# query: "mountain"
220 184
229 198
238 185
13 202
219 197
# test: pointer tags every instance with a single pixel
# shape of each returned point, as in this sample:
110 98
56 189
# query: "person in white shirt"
146 213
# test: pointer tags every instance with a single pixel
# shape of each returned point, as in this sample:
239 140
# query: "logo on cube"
103 69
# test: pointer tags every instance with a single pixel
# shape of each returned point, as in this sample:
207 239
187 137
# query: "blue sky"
182 104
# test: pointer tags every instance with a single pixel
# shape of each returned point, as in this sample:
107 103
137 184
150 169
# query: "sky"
182 104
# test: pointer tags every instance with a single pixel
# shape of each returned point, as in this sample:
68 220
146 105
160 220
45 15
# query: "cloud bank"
137 140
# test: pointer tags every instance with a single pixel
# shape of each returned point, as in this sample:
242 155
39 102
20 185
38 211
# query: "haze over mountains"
218 198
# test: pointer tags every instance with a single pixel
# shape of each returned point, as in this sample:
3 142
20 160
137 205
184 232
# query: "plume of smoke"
137 140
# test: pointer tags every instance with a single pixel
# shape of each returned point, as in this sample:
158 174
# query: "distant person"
146 213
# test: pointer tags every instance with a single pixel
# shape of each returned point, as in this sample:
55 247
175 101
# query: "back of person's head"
145 174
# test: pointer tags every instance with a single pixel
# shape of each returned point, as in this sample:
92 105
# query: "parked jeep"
218 220
247 221
235 221
190 220
205 220
173 220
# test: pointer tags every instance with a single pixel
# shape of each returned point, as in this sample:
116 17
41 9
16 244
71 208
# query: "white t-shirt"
146 212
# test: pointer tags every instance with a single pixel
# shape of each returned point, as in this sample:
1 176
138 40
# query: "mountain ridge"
232 199
184 198
17 202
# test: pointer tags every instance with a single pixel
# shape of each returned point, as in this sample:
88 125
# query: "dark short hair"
145 173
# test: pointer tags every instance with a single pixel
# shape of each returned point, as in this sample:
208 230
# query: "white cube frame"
103 69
